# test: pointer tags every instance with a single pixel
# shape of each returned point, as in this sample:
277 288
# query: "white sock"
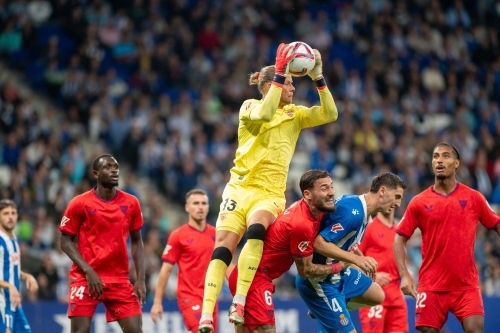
207 316
239 299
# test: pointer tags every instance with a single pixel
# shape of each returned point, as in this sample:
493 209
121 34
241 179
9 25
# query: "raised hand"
317 72
283 58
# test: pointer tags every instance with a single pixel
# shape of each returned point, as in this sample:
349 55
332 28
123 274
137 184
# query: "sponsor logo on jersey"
344 321
462 203
303 245
337 227
428 208
355 212
92 211
167 248
190 241
248 105
223 216
124 209
380 235
64 220
15 259
195 307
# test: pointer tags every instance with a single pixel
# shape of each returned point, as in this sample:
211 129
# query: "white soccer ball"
303 62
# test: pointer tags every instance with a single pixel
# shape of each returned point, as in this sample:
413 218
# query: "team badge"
344 321
72 306
289 114
462 203
303 245
223 216
124 209
337 227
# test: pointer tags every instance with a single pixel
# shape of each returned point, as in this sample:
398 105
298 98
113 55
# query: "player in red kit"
190 247
391 316
288 240
102 219
447 213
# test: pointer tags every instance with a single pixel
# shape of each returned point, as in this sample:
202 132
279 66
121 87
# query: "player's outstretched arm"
30 280
307 269
93 280
408 286
138 256
157 309
15 297
330 250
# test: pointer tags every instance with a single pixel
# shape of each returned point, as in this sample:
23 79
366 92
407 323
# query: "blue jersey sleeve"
338 225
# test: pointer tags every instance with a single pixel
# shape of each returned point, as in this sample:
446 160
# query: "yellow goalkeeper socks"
247 265
213 284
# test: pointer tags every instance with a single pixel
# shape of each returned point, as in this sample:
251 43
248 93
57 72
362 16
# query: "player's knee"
133 328
256 231
222 253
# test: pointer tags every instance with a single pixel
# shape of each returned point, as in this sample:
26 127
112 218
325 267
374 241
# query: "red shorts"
191 312
432 307
381 319
259 306
118 298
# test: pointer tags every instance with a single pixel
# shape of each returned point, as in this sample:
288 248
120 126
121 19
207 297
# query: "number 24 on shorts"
77 291
230 204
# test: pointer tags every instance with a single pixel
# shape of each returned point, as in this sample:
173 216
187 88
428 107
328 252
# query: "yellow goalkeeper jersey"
267 137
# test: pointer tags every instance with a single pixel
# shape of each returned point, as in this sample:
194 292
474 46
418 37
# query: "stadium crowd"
159 84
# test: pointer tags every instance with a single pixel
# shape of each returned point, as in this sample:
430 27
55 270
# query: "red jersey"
102 228
291 234
192 250
448 224
377 243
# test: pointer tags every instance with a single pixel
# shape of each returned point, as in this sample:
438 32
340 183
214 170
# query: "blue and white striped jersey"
10 267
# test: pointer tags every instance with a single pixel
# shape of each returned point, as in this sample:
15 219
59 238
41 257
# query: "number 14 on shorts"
77 292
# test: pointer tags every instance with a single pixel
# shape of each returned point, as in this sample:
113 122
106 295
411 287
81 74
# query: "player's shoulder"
461 188
423 196
249 102
128 197
348 201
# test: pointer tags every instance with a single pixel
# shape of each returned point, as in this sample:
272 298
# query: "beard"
326 209
109 184
441 177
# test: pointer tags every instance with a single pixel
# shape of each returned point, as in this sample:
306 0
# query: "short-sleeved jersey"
191 250
291 235
346 226
10 267
448 225
265 149
102 228
377 243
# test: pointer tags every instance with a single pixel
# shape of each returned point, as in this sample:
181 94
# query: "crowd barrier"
291 317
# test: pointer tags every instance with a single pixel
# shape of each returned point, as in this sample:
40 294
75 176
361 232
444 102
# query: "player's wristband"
336 268
279 80
320 83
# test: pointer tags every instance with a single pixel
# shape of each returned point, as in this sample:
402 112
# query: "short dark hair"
309 177
446 144
95 162
4 203
387 179
195 191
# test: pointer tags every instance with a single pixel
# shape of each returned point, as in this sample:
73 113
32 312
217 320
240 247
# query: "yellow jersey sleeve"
261 111
318 115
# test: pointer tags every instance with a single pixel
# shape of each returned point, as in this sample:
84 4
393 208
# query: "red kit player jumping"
391 316
290 238
447 213
102 219
190 247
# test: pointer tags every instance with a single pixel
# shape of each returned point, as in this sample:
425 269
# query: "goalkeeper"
267 134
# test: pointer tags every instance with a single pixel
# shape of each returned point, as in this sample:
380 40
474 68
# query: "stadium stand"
159 84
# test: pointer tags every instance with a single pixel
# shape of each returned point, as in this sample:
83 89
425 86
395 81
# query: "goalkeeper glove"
283 59
317 72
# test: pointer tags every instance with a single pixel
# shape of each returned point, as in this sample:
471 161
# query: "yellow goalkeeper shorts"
239 203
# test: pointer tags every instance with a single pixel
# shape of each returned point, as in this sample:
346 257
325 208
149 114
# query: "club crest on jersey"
337 227
223 216
462 203
289 114
303 245
124 209
344 321
72 306
64 220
